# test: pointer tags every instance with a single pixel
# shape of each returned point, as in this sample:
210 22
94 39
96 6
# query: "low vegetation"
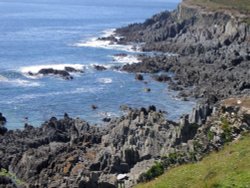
227 168
242 6
5 173
154 171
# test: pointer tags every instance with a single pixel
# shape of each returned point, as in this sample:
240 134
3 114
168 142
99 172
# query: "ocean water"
37 34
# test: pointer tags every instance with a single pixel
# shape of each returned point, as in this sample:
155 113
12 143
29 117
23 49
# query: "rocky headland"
211 62
210 50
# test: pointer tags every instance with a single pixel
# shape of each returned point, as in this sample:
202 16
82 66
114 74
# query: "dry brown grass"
241 102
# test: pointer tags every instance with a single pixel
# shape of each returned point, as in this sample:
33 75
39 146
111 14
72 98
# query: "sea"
36 34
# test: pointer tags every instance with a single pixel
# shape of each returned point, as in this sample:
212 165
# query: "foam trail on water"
3 79
19 82
105 80
27 97
127 59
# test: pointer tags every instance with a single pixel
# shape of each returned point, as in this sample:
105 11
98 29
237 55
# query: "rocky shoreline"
212 50
212 64
71 153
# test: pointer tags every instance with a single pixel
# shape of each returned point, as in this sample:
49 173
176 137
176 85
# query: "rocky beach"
200 53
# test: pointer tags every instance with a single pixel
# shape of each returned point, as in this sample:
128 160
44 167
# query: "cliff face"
213 50
213 63
188 27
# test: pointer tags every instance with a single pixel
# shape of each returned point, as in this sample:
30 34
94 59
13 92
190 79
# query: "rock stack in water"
3 121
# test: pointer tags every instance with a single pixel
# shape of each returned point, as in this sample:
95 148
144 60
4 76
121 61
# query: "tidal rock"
99 68
2 119
94 107
62 73
71 69
3 130
139 77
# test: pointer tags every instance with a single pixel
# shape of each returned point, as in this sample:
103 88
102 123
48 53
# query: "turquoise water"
51 33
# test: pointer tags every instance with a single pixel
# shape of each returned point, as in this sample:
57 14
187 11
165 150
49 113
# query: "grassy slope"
228 168
242 6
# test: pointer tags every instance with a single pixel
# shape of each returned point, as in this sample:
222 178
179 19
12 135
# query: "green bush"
5 173
153 172
227 130
210 135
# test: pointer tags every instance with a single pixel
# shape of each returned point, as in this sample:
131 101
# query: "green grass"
242 6
5 173
228 168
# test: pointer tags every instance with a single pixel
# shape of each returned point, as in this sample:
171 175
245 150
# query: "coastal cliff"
71 153
210 59
211 48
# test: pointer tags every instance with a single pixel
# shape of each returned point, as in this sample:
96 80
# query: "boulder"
139 77
62 73
2 119
99 68
71 69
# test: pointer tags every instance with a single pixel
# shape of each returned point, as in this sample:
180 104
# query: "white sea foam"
3 79
105 80
92 65
108 114
108 32
19 82
106 44
128 59
36 68
96 43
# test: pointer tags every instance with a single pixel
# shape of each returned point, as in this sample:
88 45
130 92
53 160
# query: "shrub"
227 130
210 135
5 173
153 172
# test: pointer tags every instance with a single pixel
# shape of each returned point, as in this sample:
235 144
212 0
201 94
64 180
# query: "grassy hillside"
242 6
228 168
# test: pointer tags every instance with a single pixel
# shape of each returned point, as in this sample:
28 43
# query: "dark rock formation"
94 107
147 90
3 130
62 73
100 68
71 153
212 47
2 119
71 69
139 77
65 74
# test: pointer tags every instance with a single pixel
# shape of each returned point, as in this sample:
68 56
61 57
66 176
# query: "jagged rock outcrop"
212 64
87 155
212 47
71 153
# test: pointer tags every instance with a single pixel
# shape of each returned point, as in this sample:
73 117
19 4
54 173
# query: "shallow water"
50 33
